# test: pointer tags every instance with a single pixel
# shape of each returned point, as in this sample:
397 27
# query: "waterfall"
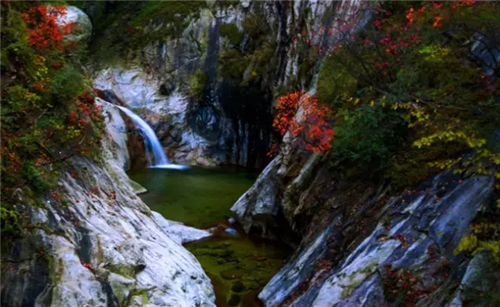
152 142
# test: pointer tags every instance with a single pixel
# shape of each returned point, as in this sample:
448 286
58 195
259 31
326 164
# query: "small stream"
238 266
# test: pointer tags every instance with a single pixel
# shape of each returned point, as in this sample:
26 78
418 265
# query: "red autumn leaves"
87 111
45 32
305 119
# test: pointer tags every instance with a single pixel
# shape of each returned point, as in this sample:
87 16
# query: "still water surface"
238 266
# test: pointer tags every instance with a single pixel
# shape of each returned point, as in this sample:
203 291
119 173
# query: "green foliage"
123 28
335 84
175 16
17 97
197 83
233 34
10 220
173 12
68 82
444 105
35 179
15 48
366 137
48 113
248 66
480 241
254 26
231 64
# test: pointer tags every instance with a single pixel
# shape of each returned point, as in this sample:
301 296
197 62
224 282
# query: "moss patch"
238 267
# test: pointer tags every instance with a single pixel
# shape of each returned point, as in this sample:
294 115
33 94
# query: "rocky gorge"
204 76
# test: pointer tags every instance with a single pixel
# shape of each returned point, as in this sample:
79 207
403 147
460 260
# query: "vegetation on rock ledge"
48 109
413 93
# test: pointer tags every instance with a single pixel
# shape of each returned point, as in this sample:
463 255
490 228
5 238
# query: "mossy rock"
138 189
238 287
231 274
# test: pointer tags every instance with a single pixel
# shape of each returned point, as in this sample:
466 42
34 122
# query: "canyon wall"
208 88
360 243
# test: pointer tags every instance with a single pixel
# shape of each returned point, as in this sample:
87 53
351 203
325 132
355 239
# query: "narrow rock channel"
238 266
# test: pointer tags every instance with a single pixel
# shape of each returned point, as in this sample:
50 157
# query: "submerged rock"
238 286
231 274
179 232
138 189
234 300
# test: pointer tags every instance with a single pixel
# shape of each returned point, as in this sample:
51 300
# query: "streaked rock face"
103 246
229 121
351 250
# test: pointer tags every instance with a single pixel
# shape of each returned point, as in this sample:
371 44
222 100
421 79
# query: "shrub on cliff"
48 113
432 68
366 138
431 64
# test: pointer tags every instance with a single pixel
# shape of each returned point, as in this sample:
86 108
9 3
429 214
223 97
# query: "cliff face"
208 89
96 243
361 245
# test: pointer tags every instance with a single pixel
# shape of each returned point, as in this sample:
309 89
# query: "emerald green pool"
196 196
238 266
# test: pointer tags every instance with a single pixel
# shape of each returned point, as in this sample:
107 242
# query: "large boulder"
81 27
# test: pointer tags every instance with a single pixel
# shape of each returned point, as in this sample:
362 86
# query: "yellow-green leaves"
448 136
473 244
434 53
468 243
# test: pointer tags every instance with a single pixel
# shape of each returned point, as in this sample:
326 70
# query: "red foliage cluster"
401 239
402 286
306 119
57 64
87 110
86 265
11 161
56 195
81 119
390 36
45 32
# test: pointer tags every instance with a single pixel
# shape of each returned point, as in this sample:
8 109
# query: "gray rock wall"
356 242
98 244
209 98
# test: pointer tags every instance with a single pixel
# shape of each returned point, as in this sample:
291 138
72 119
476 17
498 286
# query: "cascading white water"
152 142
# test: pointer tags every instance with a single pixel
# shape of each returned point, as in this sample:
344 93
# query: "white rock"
82 28
179 232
